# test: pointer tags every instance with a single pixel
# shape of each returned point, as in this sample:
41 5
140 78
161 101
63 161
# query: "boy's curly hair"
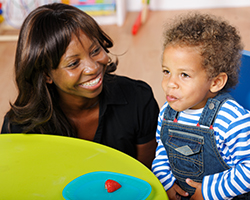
218 41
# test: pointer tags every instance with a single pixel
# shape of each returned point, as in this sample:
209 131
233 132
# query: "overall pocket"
185 153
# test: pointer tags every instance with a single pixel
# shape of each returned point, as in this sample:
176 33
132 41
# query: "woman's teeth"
92 82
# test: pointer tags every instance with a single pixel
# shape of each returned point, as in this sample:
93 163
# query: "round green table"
36 166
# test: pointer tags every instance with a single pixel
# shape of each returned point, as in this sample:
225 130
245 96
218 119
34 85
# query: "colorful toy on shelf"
1 12
142 17
65 1
105 12
94 7
4 27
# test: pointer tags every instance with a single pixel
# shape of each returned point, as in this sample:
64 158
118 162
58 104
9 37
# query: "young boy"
203 134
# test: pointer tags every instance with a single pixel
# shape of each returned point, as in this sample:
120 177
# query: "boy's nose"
172 82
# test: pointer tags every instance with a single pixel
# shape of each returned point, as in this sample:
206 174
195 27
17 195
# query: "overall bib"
192 150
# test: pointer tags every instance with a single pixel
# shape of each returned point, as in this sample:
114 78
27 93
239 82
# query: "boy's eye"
165 71
184 75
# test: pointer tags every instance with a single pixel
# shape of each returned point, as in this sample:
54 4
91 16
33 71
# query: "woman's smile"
92 84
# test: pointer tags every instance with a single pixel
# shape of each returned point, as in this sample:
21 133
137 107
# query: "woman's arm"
146 152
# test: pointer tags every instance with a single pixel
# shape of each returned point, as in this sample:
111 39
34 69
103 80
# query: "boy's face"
185 82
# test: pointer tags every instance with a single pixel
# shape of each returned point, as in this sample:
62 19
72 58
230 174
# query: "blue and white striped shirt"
232 134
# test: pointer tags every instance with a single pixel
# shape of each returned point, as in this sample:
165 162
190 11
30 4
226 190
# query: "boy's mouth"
171 98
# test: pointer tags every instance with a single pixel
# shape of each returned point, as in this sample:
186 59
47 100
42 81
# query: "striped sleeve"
160 165
232 133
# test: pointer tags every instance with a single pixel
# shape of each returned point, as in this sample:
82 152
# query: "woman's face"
81 69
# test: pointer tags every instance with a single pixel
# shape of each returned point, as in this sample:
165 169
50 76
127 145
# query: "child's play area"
124 99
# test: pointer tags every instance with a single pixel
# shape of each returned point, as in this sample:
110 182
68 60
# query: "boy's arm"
160 165
236 180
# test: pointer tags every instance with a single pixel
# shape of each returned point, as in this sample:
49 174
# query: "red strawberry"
112 185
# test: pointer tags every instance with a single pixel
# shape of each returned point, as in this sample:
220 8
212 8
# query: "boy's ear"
218 82
48 78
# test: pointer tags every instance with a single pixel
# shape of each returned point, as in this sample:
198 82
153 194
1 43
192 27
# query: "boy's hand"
198 194
175 192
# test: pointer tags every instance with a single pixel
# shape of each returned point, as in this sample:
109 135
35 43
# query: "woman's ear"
48 78
218 82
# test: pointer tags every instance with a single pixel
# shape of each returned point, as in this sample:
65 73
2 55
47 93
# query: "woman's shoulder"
129 85
136 92
127 81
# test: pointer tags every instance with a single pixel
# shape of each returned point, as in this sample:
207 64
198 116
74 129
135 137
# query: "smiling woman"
82 56
65 86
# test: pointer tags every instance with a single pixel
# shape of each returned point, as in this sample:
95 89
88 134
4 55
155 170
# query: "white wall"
16 11
135 5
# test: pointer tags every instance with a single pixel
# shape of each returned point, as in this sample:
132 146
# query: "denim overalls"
192 150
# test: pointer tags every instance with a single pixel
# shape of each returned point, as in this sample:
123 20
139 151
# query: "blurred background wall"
15 11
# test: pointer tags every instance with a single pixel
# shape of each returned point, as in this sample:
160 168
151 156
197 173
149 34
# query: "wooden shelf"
4 33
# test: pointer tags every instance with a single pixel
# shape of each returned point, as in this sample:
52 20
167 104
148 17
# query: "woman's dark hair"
44 36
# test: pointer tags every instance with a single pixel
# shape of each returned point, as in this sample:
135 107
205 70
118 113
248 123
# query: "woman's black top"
127 117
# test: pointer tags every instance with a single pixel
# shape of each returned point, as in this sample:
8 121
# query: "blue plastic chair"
242 91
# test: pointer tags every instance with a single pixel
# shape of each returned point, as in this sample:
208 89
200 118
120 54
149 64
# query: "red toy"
142 17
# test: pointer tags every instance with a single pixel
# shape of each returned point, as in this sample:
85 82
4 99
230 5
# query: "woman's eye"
96 51
74 64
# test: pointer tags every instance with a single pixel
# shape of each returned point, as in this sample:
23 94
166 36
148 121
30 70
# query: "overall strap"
212 107
170 114
209 112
